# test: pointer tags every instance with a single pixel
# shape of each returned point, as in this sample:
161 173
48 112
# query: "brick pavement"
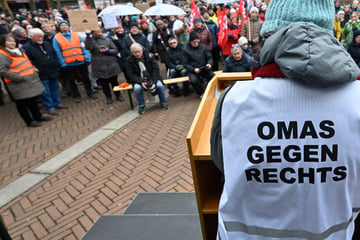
147 155
23 148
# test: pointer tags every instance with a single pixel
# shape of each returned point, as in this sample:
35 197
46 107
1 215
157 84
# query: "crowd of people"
96 57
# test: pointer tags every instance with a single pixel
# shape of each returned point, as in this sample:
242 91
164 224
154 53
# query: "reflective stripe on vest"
276 233
71 51
20 65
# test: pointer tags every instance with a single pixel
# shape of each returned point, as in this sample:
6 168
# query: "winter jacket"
233 37
205 37
347 33
255 27
160 42
139 38
20 87
237 66
45 61
214 30
196 57
119 44
354 51
133 69
175 56
103 65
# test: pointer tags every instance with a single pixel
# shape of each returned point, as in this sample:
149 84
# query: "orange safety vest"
20 65
71 51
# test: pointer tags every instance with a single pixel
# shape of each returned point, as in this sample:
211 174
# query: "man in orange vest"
73 57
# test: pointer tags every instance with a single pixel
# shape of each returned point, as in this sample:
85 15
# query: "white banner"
110 21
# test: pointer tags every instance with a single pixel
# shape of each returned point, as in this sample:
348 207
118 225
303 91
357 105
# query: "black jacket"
139 38
133 69
45 61
175 56
160 42
354 50
119 44
196 57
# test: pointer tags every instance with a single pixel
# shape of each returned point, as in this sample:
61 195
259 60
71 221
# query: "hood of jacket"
308 54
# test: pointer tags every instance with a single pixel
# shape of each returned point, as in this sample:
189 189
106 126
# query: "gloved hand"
179 67
230 36
251 43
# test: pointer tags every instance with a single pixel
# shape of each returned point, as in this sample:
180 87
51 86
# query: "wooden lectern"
207 178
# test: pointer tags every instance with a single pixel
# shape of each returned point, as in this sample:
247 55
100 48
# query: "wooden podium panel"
207 178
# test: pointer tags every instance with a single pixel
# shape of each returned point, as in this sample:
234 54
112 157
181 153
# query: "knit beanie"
356 32
281 13
242 41
63 21
134 18
143 21
193 36
133 24
197 19
254 9
159 22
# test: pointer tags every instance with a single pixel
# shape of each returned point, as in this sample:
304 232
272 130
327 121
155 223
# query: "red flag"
242 11
194 13
86 6
65 8
219 16
223 32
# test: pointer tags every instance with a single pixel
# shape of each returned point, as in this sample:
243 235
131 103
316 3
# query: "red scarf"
270 70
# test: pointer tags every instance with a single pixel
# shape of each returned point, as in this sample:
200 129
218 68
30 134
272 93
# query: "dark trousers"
173 73
216 56
105 82
70 74
199 80
24 106
4 235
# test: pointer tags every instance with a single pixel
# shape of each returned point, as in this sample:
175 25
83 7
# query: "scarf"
15 51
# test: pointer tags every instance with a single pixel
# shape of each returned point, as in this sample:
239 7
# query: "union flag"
194 13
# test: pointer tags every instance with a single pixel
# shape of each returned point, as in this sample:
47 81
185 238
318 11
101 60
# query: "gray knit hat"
281 13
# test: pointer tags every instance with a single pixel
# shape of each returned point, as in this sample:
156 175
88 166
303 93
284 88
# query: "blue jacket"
237 66
213 29
58 51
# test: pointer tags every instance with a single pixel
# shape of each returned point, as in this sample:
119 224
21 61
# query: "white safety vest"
291 161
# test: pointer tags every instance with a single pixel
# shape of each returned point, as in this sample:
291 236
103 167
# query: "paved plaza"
92 159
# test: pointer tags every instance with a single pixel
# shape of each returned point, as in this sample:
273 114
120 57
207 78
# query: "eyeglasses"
172 43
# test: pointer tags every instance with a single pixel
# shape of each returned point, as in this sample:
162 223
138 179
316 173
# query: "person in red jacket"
233 36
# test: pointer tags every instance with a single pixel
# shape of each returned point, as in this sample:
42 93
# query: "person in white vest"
287 142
